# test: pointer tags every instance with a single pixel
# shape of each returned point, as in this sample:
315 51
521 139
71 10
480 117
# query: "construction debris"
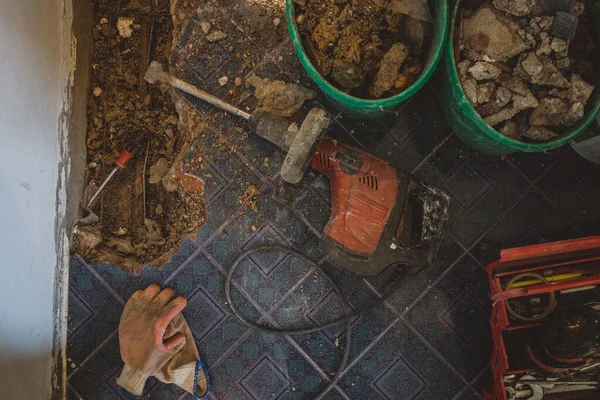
525 65
278 97
367 48
390 69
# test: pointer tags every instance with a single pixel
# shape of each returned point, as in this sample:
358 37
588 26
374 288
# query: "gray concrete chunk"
494 34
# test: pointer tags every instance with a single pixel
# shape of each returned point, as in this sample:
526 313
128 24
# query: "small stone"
540 134
348 75
564 26
93 164
463 68
173 119
470 88
576 113
169 133
124 26
544 47
276 22
518 8
539 70
532 65
104 21
97 92
558 45
580 91
388 73
551 111
300 18
216 36
503 97
485 92
473 55
238 81
484 71
223 80
501 116
205 26
521 103
545 23
494 34
514 84
402 82
510 129
578 9
562 64
159 209
529 39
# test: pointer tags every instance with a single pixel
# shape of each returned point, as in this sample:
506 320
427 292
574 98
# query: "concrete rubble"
517 69
278 97
494 34
389 71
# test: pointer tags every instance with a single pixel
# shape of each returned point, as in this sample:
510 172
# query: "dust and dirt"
349 40
248 198
151 205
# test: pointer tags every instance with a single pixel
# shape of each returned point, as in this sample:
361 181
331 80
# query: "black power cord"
347 319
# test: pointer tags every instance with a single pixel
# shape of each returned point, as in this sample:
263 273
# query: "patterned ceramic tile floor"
429 341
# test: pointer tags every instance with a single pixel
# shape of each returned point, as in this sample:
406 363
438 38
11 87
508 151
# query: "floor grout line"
105 284
232 348
501 217
290 292
386 302
434 350
184 264
93 353
370 346
431 154
431 286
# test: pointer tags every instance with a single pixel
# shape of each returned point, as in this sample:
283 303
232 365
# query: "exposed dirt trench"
147 210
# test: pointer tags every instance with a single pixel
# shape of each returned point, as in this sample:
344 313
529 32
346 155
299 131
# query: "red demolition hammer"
380 216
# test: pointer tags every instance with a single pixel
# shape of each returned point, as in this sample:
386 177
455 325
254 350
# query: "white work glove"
152 335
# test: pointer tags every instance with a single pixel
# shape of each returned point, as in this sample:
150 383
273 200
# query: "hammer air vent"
370 181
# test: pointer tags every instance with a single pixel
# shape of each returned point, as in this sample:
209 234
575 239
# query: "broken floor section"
151 205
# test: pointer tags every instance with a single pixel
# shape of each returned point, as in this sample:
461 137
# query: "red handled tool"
121 162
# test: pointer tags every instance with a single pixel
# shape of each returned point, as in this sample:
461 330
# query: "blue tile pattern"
430 340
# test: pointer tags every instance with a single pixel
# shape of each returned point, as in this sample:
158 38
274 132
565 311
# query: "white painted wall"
32 88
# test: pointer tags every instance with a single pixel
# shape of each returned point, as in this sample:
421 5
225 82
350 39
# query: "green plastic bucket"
473 130
363 108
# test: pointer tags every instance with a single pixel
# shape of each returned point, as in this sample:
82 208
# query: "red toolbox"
528 285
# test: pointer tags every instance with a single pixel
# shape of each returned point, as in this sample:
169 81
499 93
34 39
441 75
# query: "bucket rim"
436 54
563 139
